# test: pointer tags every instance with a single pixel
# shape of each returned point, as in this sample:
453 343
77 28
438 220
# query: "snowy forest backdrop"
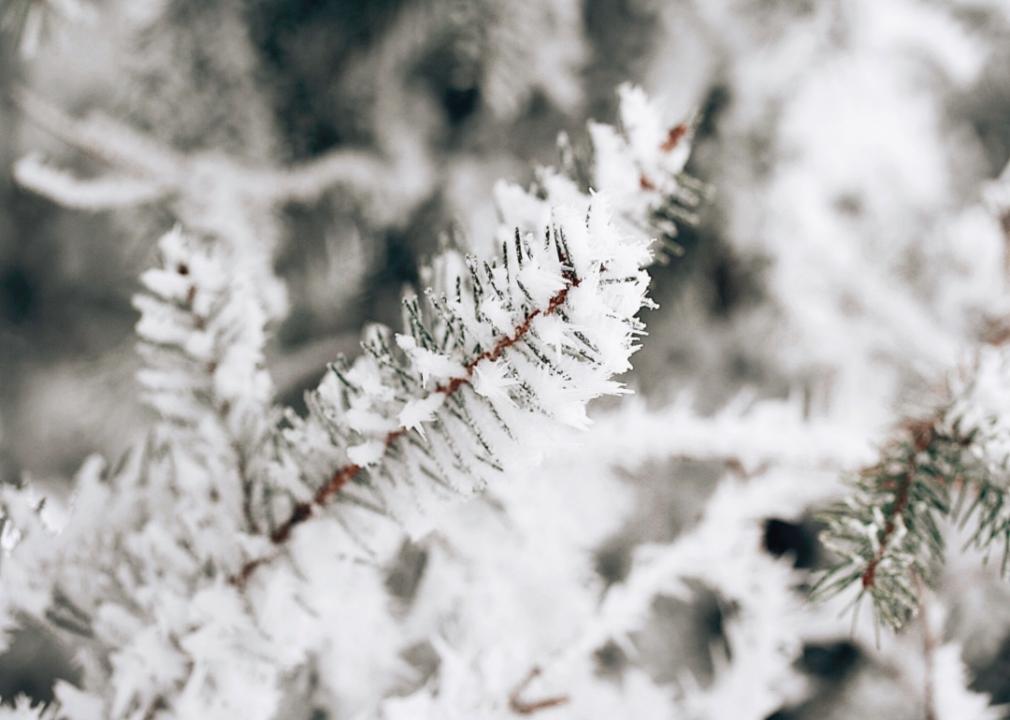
842 267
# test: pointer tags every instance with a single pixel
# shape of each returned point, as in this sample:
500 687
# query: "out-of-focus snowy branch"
840 166
722 553
951 463
169 173
213 193
747 433
934 671
93 194
710 552
108 140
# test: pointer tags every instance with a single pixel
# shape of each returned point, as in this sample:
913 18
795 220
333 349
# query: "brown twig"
674 136
528 707
922 432
344 474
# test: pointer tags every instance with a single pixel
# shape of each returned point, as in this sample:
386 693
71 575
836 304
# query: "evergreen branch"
346 473
887 532
530 707
503 340
202 339
747 434
491 362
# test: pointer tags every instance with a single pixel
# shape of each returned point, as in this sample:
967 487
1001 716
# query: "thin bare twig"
528 707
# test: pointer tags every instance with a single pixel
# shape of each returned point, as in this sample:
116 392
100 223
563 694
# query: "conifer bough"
189 576
539 330
888 533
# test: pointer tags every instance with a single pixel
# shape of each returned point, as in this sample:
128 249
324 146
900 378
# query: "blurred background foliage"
480 89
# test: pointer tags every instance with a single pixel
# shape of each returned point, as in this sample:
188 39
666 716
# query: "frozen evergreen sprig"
443 407
639 164
202 331
534 332
953 466
888 535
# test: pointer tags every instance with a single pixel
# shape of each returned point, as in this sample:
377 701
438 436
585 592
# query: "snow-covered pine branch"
537 331
446 405
216 571
748 435
202 333
639 166
951 464
117 573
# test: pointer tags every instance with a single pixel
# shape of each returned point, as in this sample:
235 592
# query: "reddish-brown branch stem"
528 707
344 474
922 432
900 503
673 137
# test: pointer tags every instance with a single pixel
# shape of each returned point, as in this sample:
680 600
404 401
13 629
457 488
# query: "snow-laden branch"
723 553
953 463
92 194
231 561
538 331
747 434
452 401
